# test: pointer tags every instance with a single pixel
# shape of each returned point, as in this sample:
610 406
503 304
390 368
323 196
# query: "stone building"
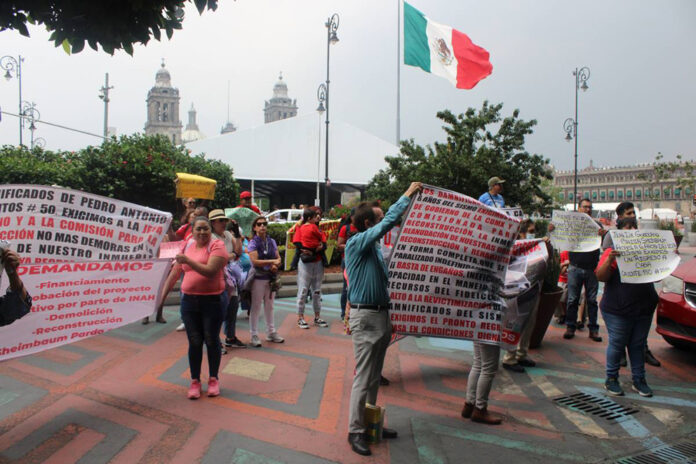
280 106
191 131
626 183
163 108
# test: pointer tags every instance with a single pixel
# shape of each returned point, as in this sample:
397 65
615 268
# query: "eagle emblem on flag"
442 51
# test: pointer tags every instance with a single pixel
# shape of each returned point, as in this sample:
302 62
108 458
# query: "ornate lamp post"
570 125
13 68
331 38
321 97
30 113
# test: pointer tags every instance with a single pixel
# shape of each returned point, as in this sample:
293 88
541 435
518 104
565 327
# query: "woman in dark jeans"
627 310
202 262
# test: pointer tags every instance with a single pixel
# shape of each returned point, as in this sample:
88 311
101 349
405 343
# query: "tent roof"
291 149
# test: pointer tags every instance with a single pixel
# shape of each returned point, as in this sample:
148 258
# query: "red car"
676 311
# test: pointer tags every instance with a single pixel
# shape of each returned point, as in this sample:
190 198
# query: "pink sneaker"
213 387
194 390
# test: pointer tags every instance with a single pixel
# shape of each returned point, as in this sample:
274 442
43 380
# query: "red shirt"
254 208
184 232
343 233
310 236
563 277
605 256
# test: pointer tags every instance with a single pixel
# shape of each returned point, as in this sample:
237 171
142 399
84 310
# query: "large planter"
547 305
649 224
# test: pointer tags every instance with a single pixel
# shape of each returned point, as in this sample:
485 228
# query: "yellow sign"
193 186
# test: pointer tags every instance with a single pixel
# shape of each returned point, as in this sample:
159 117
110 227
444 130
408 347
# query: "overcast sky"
641 54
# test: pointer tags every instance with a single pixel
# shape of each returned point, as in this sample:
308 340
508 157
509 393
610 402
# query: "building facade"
163 108
280 106
636 184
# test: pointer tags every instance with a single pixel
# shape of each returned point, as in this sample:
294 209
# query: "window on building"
619 194
587 195
594 195
158 112
611 194
602 194
165 112
561 196
570 196
629 193
638 193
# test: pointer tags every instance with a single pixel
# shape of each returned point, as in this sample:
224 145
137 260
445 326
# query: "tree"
138 169
681 173
113 24
480 144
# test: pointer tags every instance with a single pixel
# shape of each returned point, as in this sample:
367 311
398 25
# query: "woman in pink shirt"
202 307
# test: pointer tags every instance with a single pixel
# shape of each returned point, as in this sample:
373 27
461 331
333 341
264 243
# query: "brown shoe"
467 410
594 335
483 416
569 333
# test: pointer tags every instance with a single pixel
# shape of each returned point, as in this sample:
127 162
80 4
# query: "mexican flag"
443 51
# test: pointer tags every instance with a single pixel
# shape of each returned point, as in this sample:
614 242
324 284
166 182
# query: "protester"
233 246
493 197
265 259
245 202
517 359
369 314
581 274
310 271
627 310
626 209
184 232
16 303
202 262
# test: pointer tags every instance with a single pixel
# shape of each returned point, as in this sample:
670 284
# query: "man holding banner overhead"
369 315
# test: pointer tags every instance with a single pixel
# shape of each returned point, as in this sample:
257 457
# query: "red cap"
245 194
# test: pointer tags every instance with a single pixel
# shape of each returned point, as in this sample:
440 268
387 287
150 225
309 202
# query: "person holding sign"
493 197
627 310
369 309
16 303
202 306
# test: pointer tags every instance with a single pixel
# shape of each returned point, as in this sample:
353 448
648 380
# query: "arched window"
165 112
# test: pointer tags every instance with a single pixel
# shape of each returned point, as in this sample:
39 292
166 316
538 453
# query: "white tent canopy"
293 149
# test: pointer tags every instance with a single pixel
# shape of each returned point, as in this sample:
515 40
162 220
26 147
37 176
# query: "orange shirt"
198 284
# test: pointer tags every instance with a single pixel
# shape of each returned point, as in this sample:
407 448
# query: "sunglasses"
259 224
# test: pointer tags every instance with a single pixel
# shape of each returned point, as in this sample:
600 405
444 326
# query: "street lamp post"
13 68
321 96
31 114
104 95
331 38
570 125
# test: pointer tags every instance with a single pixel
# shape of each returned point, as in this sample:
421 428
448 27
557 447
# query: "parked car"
676 311
284 215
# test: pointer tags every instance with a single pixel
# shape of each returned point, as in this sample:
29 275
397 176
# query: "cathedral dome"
163 78
191 132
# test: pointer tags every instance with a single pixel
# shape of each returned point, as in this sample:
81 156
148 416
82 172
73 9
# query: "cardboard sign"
76 300
646 255
193 186
574 232
49 224
448 266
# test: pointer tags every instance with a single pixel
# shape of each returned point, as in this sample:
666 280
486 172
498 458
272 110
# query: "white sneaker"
181 327
255 341
274 337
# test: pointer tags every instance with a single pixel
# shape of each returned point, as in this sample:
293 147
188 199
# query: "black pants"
202 316
231 317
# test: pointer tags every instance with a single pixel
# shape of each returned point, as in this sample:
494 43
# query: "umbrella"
244 217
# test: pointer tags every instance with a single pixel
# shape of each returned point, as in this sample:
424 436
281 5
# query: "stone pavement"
121 397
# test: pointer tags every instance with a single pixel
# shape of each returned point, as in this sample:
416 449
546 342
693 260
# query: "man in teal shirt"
369 322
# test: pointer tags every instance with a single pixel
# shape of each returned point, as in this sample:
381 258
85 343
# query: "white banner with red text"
46 224
448 267
76 300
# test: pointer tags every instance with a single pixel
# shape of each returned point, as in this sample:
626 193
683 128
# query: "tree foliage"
139 169
681 173
113 24
480 144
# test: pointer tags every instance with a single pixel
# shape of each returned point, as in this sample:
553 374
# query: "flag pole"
398 74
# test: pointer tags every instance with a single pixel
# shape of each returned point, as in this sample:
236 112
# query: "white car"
284 215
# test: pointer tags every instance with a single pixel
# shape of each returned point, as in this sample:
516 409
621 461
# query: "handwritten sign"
646 255
447 267
48 224
574 232
76 300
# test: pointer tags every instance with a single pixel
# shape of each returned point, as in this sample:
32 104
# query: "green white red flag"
443 51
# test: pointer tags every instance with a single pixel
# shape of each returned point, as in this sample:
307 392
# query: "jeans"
481 375
231 317
371 332
627 332
309 275
202 316
577 277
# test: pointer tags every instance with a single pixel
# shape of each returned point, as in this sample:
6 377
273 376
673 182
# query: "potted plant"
670 225
550 292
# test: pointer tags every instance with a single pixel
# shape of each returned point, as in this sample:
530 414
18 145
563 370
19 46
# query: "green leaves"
473 152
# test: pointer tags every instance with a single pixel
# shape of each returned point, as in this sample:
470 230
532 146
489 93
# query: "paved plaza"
121 398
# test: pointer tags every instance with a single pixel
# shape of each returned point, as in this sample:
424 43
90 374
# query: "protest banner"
47 224
386 243
330 229
76 300
194 186
169 250
646 255
447 267
574 231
